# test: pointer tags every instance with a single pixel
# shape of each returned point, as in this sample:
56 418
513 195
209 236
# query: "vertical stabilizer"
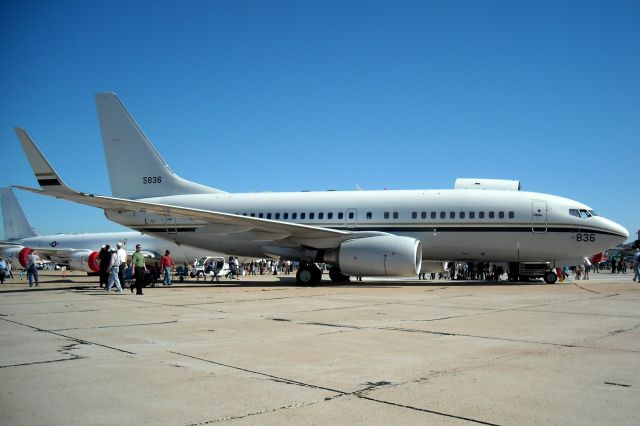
16 225
136 169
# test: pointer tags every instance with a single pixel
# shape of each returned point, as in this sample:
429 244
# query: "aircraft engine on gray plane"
17 255
385 255
86 261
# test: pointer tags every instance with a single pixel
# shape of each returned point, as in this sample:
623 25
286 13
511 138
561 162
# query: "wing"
269 230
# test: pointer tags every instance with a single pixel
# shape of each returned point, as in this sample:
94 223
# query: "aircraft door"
171 225
539 217
351 218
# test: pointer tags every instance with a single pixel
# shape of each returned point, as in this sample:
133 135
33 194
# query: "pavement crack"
256 413
617 384
115 326
41 362
357 394
75 339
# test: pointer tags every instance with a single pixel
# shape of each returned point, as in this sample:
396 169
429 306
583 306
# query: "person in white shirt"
122 263
32 269
114 268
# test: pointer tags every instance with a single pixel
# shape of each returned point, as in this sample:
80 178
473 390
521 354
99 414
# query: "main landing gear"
308 274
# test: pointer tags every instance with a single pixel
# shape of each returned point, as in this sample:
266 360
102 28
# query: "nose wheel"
308 274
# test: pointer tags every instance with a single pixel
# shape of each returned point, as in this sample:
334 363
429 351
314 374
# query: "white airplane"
78 251
360 233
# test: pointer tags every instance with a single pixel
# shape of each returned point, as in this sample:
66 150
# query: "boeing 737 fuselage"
362 233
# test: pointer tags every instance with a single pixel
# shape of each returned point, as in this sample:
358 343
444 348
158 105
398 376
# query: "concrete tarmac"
264 351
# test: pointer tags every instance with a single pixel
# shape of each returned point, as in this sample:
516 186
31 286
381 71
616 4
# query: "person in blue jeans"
166 264
32 268
636 265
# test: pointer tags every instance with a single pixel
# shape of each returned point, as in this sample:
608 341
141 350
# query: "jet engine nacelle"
17 255
386 255
87 261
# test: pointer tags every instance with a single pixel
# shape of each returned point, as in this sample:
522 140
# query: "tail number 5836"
586 238
151 179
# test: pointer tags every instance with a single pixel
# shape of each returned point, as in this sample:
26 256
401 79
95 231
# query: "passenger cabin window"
452 215
260 215
244 214
320 215
351 215
277 215
294 216
330 215
492 215
303 215
386 215
511 215
501 215
472 215
340 215
423 215
414 215
433 215
443 215
253 215
268 215
481 215
285 215
311 215
461 215
395 215
369 215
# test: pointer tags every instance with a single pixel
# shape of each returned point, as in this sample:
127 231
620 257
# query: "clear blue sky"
295 95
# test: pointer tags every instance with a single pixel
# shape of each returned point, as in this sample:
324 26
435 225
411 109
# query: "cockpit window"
582 213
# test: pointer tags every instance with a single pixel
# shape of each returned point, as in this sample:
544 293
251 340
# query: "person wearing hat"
122 263
3 270
32 268
166 264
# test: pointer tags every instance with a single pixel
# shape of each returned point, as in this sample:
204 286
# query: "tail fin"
136 169
16 225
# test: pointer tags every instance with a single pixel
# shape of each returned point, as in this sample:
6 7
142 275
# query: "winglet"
47 177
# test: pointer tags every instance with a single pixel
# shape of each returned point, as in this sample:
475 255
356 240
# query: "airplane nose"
617 229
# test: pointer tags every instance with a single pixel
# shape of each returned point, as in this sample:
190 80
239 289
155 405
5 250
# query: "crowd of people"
116 272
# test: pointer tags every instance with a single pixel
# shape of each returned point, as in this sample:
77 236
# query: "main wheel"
309 274
337 276
550 277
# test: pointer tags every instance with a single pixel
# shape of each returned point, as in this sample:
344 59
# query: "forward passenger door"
539 217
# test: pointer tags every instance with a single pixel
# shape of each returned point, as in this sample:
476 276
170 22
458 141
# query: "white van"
214 267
